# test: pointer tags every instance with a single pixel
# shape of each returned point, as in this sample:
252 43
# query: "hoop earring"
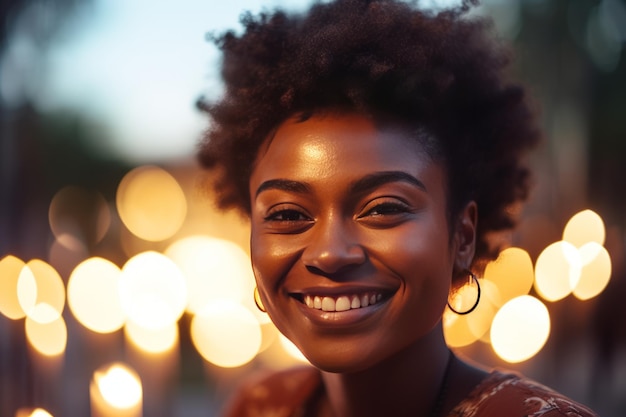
475 279
257 300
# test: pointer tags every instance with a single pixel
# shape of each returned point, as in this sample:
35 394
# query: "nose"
334 247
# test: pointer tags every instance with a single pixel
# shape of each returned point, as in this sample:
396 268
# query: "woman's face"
350 241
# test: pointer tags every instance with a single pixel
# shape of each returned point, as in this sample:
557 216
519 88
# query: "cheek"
271 259
422 258
271 262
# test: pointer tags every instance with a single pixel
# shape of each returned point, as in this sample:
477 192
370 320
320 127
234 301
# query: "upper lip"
339 290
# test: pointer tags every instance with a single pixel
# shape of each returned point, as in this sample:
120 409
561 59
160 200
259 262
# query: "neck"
406 384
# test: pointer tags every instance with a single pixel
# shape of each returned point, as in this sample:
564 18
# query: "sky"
135 66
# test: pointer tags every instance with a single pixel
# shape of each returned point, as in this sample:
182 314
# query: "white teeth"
365 301
328 304
341 303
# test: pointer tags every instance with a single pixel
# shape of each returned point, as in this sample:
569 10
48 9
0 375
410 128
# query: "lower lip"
341 318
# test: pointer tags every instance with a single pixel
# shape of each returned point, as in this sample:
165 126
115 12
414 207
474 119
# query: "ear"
465 236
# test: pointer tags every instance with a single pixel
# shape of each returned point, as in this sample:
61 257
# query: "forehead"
338 147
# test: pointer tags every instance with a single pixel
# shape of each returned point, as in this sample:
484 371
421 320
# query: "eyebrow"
362 185
284 185
377 179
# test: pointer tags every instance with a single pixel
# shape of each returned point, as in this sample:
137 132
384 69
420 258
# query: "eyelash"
275 214
285 218
387 208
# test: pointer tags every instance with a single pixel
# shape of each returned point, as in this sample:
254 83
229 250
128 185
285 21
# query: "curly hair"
440 72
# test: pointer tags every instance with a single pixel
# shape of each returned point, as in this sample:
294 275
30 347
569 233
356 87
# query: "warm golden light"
479 321
10 269
269 334
49 338
291 349
520 329
93 295
280 353
43 313
583 227
153 291
512 273
557 271
226 333
596 271
78 216
456 330
463 330
26 289
49 289
151 203
32 412
465 297
116 388
152 340
214 269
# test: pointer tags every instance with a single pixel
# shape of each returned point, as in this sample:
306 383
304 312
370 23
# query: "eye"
287 219
386 208
286 215
385 213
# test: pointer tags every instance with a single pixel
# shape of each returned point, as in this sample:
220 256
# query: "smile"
343 302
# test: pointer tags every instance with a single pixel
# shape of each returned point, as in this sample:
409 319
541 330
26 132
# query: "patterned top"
295 393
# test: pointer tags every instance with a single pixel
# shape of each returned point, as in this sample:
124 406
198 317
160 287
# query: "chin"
341 361
339 367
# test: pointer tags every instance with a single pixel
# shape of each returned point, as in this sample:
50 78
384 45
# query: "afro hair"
440 72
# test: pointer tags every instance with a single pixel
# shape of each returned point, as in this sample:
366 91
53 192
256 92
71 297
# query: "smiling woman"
362 207
375 147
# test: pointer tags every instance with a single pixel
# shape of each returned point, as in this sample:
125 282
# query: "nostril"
315 270
334 273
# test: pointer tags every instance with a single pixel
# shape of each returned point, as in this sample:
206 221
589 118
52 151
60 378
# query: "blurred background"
123 292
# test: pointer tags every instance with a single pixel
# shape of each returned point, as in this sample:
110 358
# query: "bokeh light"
32 412
152 340
512 273
456 330
93 295
583 227
226 333
151 203
10 269
43 313
48 289
78 216
215 269
26 289
479 321
520 329
557 271
269 334
465 329
595 273
118 385
49 338
281 353
291 349
153 291
464 299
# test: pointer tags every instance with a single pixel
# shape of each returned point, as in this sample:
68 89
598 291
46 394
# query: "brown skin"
344 207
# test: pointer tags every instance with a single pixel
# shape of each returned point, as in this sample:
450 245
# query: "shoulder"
274 394
508 393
